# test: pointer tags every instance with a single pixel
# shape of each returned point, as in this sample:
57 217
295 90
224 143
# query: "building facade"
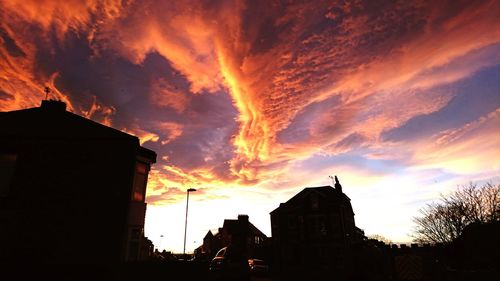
314 231
71 190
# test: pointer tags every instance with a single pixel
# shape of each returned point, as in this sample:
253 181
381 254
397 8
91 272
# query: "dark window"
292 222
135 234
7 168
133 250
314 201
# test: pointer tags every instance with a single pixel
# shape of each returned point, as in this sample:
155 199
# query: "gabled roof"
51 120
256 231
324 191
209 235
231 226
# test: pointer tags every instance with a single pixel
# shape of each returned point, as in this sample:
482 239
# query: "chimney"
243 218
337 184
53 106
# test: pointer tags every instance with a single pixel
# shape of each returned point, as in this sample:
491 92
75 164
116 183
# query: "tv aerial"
47 91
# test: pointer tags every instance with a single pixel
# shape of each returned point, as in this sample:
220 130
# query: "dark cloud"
11 45
5 96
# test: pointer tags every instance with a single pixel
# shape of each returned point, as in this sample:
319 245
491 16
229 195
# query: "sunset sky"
251 101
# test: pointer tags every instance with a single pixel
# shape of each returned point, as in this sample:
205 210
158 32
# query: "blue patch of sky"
354 160
474 97
435 176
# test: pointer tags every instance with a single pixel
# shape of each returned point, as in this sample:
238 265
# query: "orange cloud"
302 78
376 67
171 131
164 94
143 135
99 112
183 36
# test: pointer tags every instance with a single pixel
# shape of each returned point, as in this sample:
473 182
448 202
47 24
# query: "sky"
249 102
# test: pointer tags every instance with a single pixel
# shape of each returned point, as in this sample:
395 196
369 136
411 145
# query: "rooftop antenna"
47 91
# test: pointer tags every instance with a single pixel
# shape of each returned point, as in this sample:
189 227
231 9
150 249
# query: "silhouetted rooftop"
232 225
209 235
325 191
52 121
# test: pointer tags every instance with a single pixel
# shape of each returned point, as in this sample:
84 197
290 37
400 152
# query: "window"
317 226
140 180
314 201
135 233
7 168
292 222
257 240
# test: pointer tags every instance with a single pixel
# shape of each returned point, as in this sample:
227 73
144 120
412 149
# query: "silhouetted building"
477 250
209 247
71 190
240 233
313 231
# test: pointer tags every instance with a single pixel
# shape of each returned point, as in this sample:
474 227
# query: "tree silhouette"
444 221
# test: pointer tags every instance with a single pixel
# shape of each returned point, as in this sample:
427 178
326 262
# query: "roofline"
310 188
123 135
147 153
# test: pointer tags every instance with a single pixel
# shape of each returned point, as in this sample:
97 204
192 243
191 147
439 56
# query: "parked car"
229 264
258 266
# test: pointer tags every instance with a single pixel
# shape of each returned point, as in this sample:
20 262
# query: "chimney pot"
243 217
53 105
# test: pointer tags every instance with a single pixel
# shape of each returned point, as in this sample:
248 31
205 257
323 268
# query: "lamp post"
185 224
161 240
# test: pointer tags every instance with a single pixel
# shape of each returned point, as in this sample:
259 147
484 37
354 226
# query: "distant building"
240 233
71 190
314 230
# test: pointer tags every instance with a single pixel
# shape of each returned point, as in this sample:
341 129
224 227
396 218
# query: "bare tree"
444 221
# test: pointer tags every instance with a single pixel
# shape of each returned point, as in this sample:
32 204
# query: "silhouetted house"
240 233
313 231
71 190
209 247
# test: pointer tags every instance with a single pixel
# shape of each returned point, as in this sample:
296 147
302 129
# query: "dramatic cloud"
270 96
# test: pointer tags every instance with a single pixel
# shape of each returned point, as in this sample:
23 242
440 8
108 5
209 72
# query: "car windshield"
221 253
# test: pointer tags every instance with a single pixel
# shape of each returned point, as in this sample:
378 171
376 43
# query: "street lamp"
185 224
161 240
